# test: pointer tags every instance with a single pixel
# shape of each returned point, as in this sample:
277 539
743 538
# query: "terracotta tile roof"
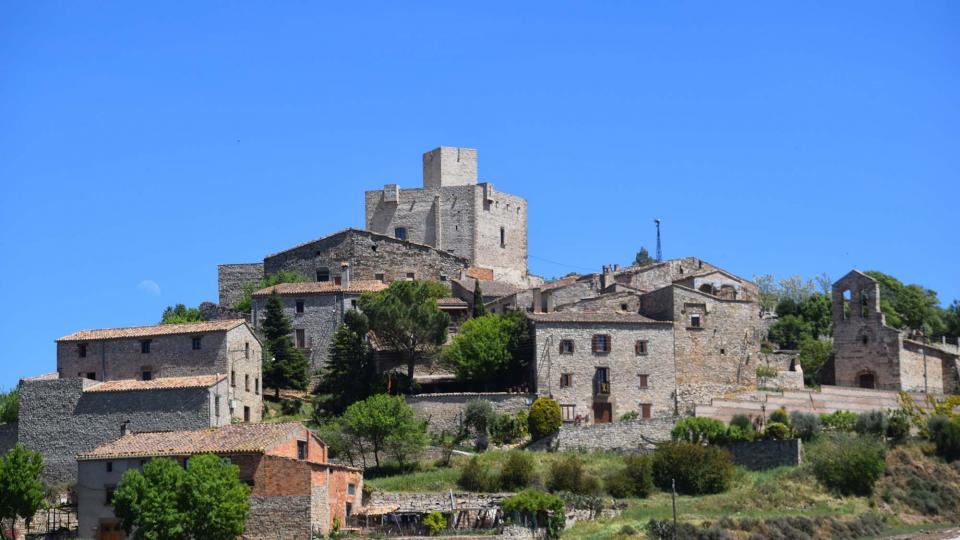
155 330
165 383
322 287
452 302
593 317
233 438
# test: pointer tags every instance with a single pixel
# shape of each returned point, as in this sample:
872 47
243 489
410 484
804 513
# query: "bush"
568 475
478 415
517 472
547 509
766 372
618 485
698 429
898 426
435 522
697 469
544 418
872 423
780 416
945 433
507 429
742 421
776 431
629 416
291 407
805 425
640 472
848 464
736 434
839 421
477 477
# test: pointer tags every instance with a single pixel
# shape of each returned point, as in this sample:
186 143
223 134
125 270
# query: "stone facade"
232 278
761 455
634 371
870 354
691 272
60 418
435 502
370 255
444 412
626 301
452 212
225 347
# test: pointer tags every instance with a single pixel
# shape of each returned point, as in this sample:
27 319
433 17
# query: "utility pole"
673 498
659 251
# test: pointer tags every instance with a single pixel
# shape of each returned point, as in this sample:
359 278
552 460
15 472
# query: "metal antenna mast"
659 251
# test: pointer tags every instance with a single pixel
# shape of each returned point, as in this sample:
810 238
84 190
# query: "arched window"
867 380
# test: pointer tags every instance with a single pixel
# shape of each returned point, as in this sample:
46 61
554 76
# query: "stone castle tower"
455 213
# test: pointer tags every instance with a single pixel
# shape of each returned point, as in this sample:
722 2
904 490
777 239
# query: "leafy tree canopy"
180 314
384 423
814 309
643 258
166 502
789 331
912 306
21 490
9 406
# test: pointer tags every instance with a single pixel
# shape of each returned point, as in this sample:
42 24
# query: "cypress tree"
479 310
284 366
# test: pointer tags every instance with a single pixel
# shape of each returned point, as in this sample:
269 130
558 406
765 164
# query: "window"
353 303
246 383
299 306
301 339
246 350
400 233
256 386
624 307
846 304
323 274
82 350
864 305
109 466
603 374
108 494
411 276
196 343
348 509
246 414
695 320
601 380
336 280
566 379
503 237
301 449
351 489
146 375
92 375
233 378
864 339
145 346
379 277
601 343
568 413
645 410
644 379
216 406
566 346
640 347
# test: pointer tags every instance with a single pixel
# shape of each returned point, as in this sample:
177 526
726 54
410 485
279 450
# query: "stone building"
870 354
691 272
315 310
61 417
226 347
599 366
295 491
453 212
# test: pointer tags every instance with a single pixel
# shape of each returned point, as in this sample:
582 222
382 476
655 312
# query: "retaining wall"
632 436
444 412
759 455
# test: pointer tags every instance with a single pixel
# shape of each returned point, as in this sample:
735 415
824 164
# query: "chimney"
345 275
123 428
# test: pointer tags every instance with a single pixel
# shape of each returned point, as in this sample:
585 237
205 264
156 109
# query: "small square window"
82 350
145 346
299 306
641 347
566 346
146 375
601 343
644 379
411 276
323 275
400 233
568 413
196 343
566 380
351 489
695 320
379 277
92 375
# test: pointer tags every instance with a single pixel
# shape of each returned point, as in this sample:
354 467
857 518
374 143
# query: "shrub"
697 469
435 522
945 433
618 485
839 421
848 464
742 421
736 434
547 509
627 530
779 416
477 477
805 425
630 416
522 422
568 475
506 429
544 418
776 431
872 423
291 407
766 372
640 472
898 425
698 429
517 472
478 415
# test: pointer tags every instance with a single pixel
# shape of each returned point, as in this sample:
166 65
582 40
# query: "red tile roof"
165 383
233 438
156 330
322 287
451 303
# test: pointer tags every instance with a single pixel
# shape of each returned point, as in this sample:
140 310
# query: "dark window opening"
601 381
695 320
864 339
323 274
145 346
216 405
246 383
351 489
379 277
82 350
641 347
400 233
566 346
301 338
644 379
246 350
645 410
864 305
246 414
146 375
233 378
92 375
337 280
108 494
624 307
256 386
301 449
503 237
196 343
566 379
867 380
299 306
109 466
411 276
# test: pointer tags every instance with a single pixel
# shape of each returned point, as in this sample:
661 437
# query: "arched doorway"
867 380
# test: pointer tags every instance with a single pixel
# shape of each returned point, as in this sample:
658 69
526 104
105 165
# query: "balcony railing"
601 388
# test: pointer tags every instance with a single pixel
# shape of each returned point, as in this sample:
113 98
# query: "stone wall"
658 275
444 411
8 436
60 420
231 279
760 455
279 518
627 301
629 436
436 502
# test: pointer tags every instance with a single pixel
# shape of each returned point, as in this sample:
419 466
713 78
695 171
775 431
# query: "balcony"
601 388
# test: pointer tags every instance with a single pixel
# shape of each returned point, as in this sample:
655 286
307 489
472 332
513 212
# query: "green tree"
789 331
9 406
405 316
643 258
479 310
385 423
814 354
544 418
180 314
284 366
166 502
21 490
480 352
350 375
245 304
910 306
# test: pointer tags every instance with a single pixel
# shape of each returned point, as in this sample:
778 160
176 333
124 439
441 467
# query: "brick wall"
444 411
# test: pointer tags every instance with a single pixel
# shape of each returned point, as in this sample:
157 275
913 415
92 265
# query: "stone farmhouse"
295 491
870 354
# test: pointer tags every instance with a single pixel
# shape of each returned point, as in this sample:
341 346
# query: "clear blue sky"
144 144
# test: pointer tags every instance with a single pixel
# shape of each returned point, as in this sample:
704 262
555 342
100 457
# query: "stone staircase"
829 399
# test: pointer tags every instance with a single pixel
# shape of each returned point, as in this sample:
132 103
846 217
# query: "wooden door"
111 530
602 413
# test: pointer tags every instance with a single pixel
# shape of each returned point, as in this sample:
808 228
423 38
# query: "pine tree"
350 375
479 310
284 365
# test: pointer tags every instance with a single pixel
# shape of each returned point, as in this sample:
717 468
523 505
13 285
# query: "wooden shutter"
645 410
